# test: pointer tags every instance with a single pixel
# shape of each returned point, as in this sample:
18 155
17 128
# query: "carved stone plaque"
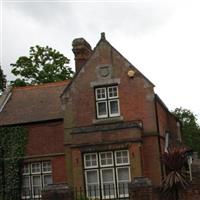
104 71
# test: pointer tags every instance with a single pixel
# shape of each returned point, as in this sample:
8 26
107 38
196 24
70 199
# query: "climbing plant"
12 150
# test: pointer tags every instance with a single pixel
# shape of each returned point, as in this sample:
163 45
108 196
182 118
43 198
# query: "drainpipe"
158 132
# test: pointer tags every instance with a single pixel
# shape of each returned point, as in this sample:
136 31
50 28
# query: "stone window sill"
108 120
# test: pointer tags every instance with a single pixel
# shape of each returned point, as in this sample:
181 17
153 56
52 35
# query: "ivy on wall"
12 150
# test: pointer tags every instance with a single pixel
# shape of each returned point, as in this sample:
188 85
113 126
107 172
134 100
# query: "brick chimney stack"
82 51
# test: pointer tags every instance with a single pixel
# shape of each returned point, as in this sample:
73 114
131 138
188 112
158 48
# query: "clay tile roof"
33 104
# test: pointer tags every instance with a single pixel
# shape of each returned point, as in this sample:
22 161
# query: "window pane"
100 93
113 92
46 166
35 167
90 160
106 159
47 179
26 182
108 185
26 169
107 175
102 108
92 177
26 190
123 189
123 179
122 157
114 107
92 183
123 174
36 182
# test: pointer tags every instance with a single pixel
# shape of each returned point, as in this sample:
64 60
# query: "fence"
16 194
106 191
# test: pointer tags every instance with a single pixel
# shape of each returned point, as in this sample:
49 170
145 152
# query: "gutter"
158 134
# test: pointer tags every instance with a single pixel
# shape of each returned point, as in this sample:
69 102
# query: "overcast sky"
160 38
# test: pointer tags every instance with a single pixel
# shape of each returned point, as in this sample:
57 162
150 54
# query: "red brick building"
38 109
115 126
107 128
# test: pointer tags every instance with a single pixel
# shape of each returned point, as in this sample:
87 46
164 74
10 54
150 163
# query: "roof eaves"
42 85
5 97
158 99
32 122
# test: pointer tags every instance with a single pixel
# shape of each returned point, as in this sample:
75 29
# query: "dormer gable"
84 53
106 86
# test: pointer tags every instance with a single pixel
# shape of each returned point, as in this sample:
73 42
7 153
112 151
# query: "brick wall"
46 142
45 138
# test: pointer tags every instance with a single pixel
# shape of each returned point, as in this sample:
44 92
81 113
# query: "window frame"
86 181
96 94
37 172
89 167
32 186
29 170
115 114
114 166
108 94
102 183
43 171
27 196
97 110
118 182
30 194
120 164
44 175
107 101
108 165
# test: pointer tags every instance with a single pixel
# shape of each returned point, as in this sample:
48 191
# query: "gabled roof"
33 104
103 39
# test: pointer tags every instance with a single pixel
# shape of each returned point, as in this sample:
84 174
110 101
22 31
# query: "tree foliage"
2 81
190 128
43 65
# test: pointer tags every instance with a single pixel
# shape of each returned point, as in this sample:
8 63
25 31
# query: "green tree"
2 81
190 128
43 65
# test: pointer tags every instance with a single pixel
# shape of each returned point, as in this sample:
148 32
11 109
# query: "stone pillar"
57 192
140 189
196 169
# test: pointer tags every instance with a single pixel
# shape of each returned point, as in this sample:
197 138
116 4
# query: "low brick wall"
193 192
142 189
57 192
